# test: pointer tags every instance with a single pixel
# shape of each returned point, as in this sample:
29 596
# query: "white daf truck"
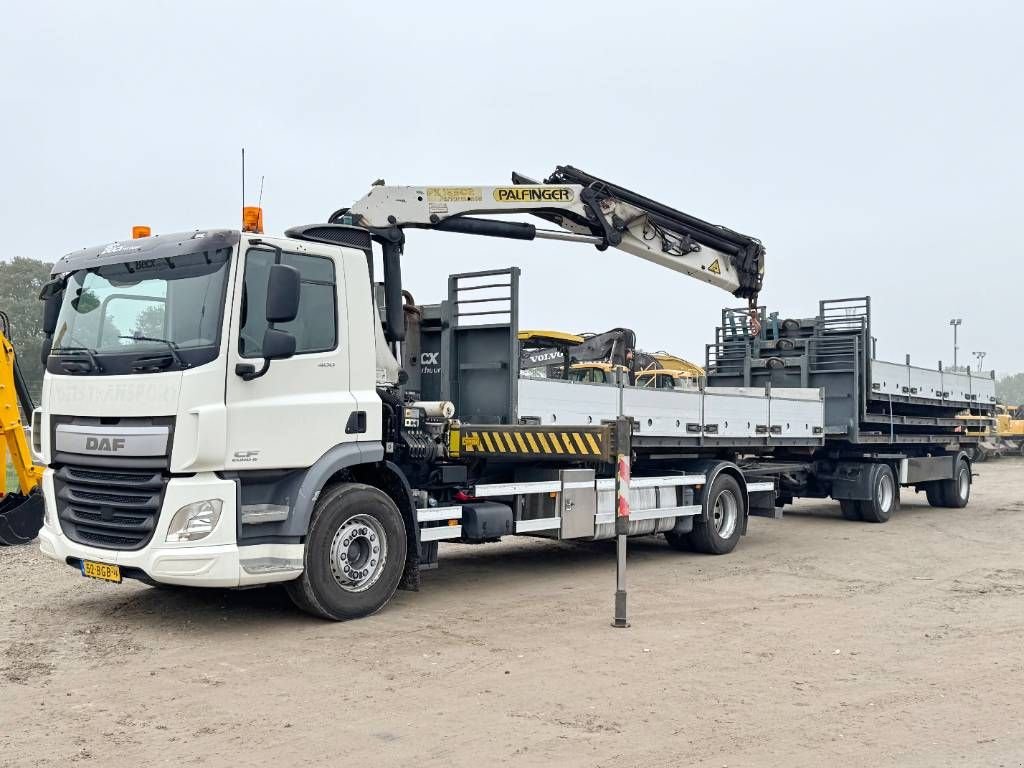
226 409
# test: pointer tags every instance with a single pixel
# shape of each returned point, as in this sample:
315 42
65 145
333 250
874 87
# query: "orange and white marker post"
623 450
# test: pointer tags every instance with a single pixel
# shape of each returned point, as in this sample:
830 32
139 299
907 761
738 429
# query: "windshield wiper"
94 361
170 345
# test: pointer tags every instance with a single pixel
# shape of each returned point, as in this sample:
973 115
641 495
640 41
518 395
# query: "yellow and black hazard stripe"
531 442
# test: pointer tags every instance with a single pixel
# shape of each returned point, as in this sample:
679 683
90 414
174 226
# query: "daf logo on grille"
109 444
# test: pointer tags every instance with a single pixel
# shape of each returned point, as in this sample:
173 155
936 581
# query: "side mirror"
282 295
51 311
52 296
278 345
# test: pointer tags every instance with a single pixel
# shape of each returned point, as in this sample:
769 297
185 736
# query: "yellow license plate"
101 571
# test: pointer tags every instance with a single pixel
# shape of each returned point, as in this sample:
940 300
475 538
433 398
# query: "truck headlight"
194 521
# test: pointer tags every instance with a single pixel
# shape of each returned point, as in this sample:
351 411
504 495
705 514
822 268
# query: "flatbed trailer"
786 411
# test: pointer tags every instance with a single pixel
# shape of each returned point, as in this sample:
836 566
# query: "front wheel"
717 531
355 554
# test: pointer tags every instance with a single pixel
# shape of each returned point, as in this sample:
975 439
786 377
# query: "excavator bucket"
21 517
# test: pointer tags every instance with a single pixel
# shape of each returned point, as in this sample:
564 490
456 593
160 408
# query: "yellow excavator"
21 506
1010 427
604 358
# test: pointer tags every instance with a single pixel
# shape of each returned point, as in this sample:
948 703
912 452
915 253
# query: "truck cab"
182 390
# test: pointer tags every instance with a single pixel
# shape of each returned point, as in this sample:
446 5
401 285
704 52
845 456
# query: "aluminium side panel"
925 383
888 378
735 412
663 412
983 389
796 413
549 401
957 385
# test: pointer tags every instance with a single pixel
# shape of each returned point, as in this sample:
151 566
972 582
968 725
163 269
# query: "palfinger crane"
585 208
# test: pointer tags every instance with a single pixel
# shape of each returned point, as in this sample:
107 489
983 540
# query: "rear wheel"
935 495
717 531
956 491
355 554
850 509
884 495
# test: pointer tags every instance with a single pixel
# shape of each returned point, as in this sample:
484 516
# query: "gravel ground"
817 642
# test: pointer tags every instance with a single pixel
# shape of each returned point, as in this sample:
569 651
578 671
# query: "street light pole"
955 322
980 357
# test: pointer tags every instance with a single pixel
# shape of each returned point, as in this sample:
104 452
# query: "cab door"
291 415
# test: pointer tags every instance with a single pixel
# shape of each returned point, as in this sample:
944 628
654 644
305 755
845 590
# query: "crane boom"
586 209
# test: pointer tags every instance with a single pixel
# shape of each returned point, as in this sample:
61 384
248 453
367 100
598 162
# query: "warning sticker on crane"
533 194
715 268
454 195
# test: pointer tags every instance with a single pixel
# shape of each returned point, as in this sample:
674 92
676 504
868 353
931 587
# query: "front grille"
100 476
115 510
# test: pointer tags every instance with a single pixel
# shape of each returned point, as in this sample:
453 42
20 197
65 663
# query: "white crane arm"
586 209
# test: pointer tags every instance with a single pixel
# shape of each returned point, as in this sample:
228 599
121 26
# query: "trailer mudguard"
711 468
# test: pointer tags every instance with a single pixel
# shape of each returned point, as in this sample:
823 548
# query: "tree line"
21 280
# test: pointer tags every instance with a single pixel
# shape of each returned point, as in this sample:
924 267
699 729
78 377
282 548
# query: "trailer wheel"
717 531
956 491
936 497
851 509
355 554
885 495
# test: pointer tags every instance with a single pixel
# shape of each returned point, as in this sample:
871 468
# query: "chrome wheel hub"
358 553
725 514
885 493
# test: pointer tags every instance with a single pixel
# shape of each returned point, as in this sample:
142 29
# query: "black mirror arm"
248 372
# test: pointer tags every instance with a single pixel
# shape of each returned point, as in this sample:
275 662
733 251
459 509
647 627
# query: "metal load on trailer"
866 400
477 369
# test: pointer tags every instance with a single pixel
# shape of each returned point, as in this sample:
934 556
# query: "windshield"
167 311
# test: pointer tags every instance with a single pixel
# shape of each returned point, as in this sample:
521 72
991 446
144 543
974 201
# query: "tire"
956 492
851 509
885 495
934 492
344 576
717 531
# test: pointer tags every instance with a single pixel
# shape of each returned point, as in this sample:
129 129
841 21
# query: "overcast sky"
874 147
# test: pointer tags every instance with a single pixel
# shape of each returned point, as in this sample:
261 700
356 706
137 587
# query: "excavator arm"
585 208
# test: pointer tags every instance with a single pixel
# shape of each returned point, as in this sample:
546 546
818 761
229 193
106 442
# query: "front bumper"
216 561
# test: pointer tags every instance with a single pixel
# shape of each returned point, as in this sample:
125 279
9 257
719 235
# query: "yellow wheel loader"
21 506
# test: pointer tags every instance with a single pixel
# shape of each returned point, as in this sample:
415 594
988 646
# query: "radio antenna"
260 202
243 177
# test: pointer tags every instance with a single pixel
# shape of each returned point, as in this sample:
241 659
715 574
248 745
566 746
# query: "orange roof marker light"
140 230
252 219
